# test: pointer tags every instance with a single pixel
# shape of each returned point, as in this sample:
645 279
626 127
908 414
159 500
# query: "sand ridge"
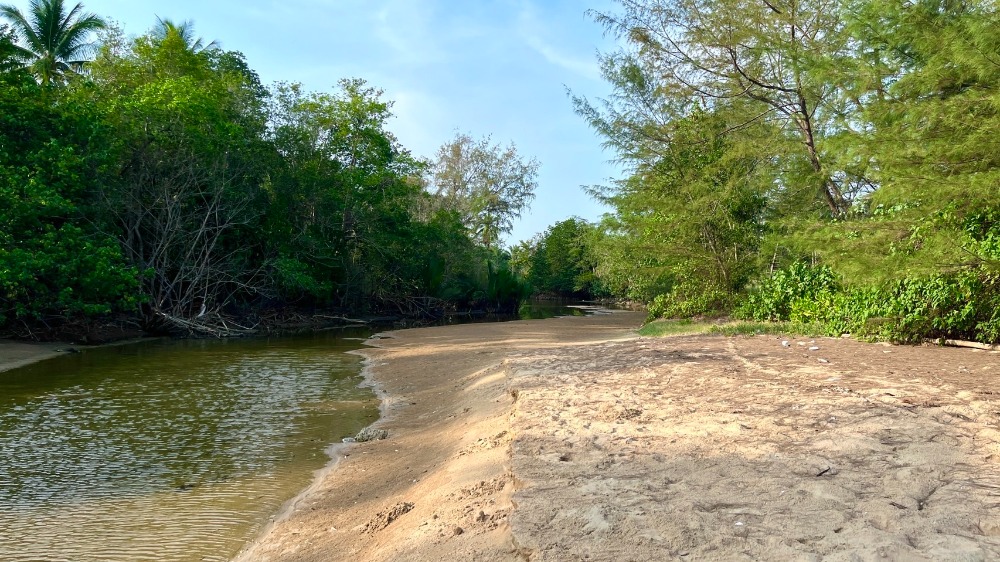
14 354
574 439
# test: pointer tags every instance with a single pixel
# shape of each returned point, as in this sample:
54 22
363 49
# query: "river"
174 450
169 450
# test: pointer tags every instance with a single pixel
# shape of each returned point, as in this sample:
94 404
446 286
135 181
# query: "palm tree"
53 41
185 31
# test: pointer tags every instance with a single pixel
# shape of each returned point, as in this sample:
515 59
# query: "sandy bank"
572 439
439 488
18 354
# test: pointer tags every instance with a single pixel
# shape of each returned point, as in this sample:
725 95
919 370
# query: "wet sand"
18 354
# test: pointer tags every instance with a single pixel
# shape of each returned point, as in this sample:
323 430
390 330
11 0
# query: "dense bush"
873 156
798 287
681 303
55 263
964 305
168 183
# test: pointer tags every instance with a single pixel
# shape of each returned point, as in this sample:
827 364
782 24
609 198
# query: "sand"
15 354
575 439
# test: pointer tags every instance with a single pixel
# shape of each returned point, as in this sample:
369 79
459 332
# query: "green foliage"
54 41
341 201
933 127
777 296
8 49
962 305
63 274
53 263
626 268
692 213
168 30
688 302
561 261
856 132
182 191
683 327
505 290
773 60
171 159
489 185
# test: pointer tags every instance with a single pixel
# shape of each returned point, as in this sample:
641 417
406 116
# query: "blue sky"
498 67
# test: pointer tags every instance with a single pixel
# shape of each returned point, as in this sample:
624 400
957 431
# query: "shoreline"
336 451
574 438
440 486
14 354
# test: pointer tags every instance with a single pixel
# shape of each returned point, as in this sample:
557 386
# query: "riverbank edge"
336 451
302 531
339 451
15 354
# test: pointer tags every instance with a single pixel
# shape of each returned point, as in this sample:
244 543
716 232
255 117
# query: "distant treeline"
154 178
829 162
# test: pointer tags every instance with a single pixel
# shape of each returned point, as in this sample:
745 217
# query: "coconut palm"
53 41
185 31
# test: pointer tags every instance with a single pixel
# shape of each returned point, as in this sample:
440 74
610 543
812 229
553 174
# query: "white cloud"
533 31
406 28
586 68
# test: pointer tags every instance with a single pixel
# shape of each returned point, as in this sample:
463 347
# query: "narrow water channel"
168 450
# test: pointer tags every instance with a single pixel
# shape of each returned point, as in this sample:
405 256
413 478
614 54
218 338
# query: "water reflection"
542 309
168 450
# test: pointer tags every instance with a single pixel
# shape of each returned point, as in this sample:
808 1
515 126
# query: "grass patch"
773 328
684 327
661 328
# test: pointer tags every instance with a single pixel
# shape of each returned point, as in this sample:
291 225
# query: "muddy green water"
169 450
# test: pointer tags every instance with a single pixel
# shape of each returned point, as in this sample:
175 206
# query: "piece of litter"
785 344
739 523
814 348
824 361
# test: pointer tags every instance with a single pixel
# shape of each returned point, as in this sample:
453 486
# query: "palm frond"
54 40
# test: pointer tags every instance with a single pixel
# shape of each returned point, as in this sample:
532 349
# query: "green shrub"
681 303
662 328
776 297
960 305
